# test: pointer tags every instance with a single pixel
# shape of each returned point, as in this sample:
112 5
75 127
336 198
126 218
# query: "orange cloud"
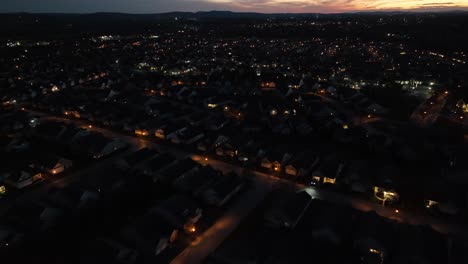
337 5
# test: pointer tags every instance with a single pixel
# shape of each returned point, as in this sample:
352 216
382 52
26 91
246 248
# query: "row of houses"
296 227
26 164
82 141
182 188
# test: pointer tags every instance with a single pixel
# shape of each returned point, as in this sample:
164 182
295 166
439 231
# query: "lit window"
2 190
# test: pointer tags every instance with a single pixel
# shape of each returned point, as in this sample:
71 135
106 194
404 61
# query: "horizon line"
462 10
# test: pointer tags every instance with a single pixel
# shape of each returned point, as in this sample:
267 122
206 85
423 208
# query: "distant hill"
53 25
226 14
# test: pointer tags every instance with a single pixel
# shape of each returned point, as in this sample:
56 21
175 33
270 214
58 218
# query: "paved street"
429 110
364 205
206 243
215 235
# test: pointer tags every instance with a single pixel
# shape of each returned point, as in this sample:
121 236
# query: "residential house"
275 160
52 164
149 236
195 119
180 211
96 145
443 198
107 182
302 164
215 102
3 190
50 130
35 217
288 209
385 189
334 224
373 238
16 144
359 176
231 147
304 128
188 135
176 170
154 165
14 121
248 152
222 190
205 144
196 181
251 124
168 131
135 158
71 134
22 178
104 250
328 171
216 122
10 237
421 244
148 128
73 198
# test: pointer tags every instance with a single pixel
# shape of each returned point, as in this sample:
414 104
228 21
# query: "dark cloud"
86 6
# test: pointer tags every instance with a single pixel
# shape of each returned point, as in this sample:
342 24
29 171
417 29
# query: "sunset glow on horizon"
334 6
260 6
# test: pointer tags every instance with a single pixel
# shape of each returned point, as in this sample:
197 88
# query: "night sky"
264 6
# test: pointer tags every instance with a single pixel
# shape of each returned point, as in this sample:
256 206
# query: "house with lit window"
444 199
3 190
215 102
180 211
274 160
148 128
374 237
301 165
386 194
385 189
167 131
23 177
52 164
328 171
248 153
230 148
